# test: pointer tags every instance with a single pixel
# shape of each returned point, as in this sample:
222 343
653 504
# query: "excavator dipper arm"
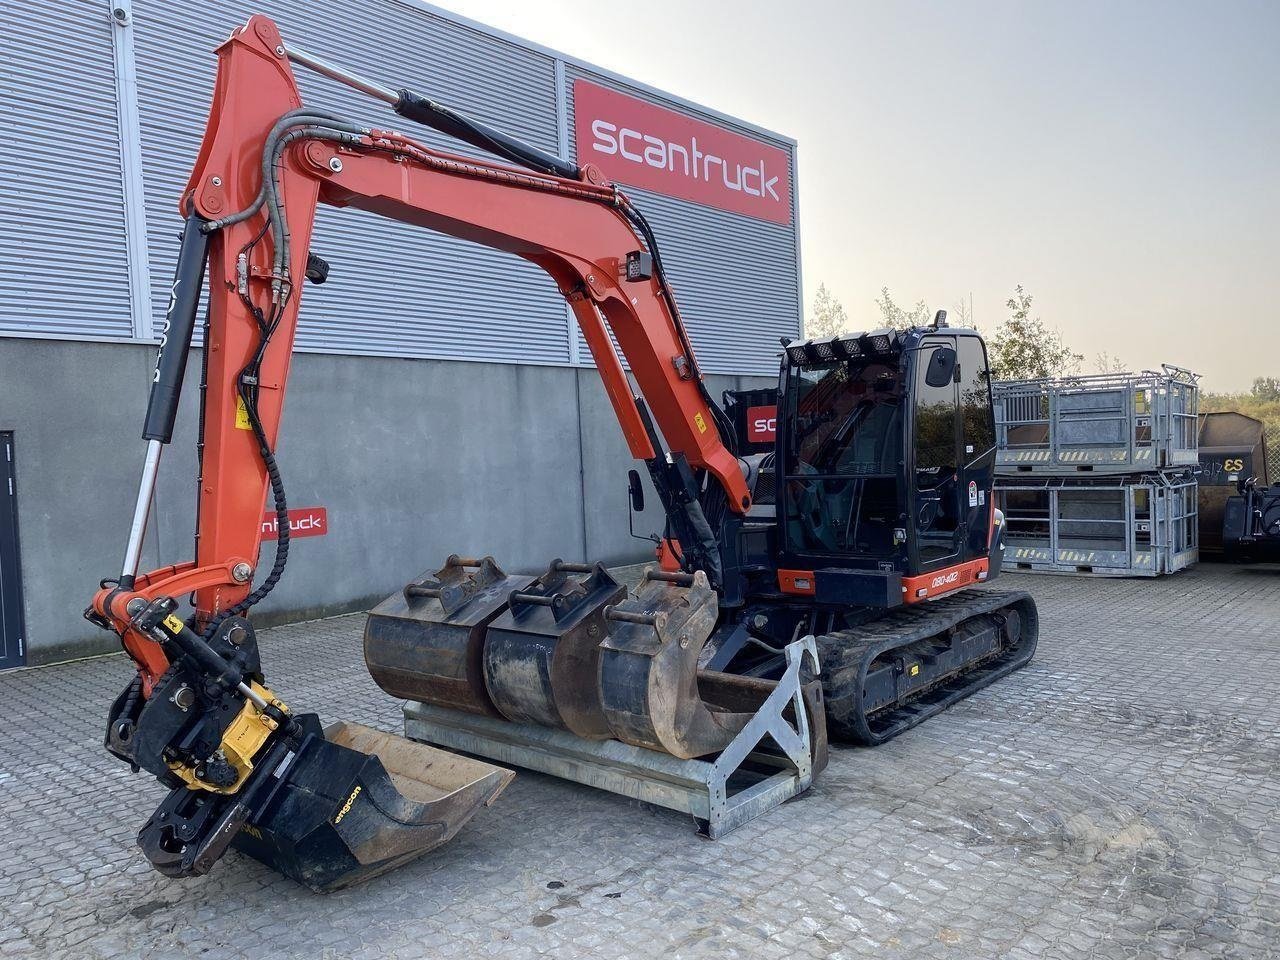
265 163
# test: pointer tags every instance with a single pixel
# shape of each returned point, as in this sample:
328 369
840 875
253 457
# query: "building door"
13 651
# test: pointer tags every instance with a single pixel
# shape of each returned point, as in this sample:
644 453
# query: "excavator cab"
885 452
876 498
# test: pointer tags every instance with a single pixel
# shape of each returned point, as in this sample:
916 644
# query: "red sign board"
647 146
303 522
762 424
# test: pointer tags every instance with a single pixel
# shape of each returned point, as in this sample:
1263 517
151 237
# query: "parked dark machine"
1251 524
876 498
1232 450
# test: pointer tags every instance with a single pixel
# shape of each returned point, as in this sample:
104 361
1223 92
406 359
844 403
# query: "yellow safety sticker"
915 668
242 415
702 424
174 624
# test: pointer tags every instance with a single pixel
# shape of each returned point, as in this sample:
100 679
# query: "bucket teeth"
426 642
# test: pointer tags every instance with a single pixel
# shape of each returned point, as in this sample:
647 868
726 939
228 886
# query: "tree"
1266 389
828 318
1024 348
898 318
1110 363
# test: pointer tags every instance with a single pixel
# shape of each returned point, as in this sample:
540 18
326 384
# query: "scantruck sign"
303 522
644 145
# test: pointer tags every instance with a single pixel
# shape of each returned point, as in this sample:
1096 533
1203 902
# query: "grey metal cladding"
63 267
394 289
736 278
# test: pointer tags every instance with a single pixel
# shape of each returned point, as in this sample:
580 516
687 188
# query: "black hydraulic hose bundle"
281 292
180 323
422 110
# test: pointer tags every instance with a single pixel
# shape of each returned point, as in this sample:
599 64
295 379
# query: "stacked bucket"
1096 475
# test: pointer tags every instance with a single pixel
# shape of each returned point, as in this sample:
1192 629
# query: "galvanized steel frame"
1171 526
699 788
1066 404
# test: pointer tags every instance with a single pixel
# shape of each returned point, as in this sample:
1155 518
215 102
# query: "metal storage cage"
1140 526
1108 423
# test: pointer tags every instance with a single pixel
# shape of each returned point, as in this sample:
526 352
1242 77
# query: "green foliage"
1023 347
1266 389
898 318
828 318
1262 405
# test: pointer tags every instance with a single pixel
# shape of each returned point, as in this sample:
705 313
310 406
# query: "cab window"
975 399
935 422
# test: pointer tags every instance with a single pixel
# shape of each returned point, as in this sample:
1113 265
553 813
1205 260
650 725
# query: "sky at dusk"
1120 160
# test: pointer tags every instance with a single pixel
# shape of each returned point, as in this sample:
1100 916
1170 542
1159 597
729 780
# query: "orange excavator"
817 585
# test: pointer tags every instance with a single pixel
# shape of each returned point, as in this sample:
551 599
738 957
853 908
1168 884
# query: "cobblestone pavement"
1117 798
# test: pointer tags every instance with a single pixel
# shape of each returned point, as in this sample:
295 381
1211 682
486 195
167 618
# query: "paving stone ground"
1117 798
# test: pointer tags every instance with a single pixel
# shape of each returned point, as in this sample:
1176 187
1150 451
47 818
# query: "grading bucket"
359 802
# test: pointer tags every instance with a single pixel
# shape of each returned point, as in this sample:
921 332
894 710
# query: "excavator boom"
264 152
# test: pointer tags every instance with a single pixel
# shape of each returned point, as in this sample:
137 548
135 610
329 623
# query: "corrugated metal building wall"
394 290
63 268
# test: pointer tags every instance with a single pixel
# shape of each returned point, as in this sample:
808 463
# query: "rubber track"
846 655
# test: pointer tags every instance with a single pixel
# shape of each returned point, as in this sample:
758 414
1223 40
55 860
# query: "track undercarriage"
885 671
886 676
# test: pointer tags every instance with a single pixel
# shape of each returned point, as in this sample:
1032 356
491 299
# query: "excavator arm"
265 163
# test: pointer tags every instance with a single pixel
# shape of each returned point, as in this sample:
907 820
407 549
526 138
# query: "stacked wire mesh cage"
1096 474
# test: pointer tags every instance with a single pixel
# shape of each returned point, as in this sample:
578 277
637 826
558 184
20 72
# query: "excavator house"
823 585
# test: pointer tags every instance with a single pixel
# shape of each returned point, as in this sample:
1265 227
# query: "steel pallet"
769 762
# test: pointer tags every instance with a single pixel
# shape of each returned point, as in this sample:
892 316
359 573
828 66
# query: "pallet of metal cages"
1136 526
1109 423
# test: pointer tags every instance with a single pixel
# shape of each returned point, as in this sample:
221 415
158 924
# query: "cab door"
939 494
978 444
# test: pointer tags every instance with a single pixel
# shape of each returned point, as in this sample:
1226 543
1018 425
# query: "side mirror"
942 367
635 490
